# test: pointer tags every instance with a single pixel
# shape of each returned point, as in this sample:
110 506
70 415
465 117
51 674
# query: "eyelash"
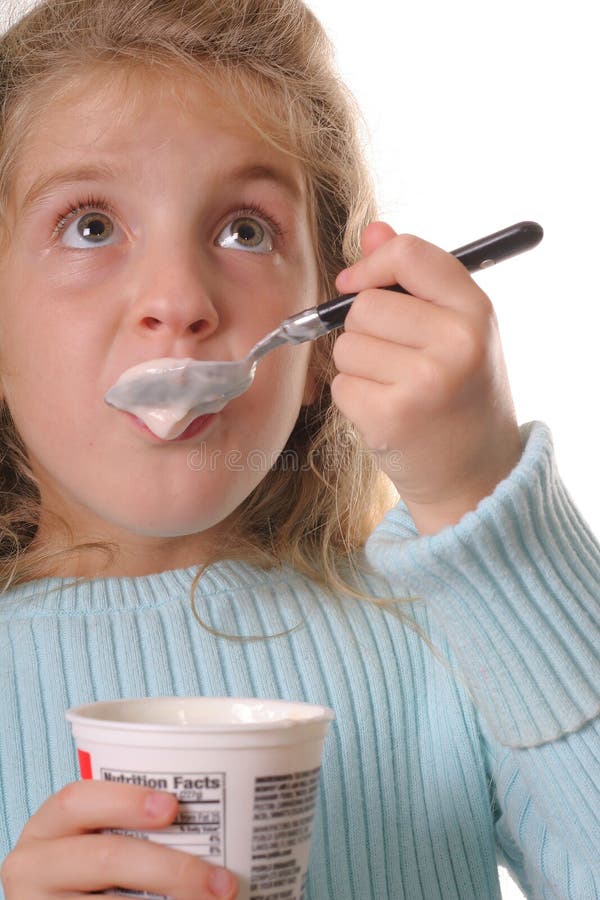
73 210
260 213
92 203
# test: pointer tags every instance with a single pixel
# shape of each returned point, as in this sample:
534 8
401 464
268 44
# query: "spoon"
188 388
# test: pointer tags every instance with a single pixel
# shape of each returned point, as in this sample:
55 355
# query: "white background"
482 114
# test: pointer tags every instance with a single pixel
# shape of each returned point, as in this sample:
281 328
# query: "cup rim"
87 714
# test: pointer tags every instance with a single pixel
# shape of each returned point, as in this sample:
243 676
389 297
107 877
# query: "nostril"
151 323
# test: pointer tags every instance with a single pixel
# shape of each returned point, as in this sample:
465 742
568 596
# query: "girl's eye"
246 233
94 229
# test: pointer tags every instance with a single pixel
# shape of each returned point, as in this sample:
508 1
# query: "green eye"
95 227
246 233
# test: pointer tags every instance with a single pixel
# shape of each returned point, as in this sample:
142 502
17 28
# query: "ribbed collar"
65 596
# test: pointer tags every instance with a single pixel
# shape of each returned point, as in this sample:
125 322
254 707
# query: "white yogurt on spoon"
168 394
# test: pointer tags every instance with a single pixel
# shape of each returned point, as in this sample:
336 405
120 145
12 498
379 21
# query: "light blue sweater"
432 769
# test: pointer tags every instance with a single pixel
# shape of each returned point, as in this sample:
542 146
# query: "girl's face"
123 250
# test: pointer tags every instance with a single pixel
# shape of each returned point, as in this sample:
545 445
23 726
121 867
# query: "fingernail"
220 882
158 803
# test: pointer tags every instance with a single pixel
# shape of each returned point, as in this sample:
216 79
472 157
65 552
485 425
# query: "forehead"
119 114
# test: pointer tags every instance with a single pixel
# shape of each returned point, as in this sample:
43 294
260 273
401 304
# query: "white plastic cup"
245 772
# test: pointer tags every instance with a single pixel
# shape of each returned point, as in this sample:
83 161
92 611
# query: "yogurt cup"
244 770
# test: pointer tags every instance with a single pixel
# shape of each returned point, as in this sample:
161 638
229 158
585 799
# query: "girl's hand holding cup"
423 378
63 852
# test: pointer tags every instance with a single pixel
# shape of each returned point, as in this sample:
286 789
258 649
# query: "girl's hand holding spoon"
423 377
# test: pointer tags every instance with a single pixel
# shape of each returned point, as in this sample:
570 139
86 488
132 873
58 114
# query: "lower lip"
196 427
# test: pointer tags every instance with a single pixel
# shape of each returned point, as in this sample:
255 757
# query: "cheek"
50 353
260 422
281 382
43 387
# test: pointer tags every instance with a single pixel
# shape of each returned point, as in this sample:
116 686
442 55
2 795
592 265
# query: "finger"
97 862
91 805
405 319
374 235
422 269
363 356
384 412
353 395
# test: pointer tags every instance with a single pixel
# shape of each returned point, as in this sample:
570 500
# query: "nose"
175 307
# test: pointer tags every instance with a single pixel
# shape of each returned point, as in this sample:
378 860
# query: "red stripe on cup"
85 764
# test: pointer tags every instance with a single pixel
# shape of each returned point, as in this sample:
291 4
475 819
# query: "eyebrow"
275 174
46 183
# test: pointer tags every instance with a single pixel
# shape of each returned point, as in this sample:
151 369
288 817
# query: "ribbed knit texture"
436 763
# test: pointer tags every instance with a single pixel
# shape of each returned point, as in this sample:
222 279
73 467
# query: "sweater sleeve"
515 588
546 802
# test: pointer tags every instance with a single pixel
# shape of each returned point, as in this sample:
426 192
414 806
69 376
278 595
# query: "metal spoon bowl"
164 381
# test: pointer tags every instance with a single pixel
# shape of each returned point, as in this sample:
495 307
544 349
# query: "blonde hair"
315 513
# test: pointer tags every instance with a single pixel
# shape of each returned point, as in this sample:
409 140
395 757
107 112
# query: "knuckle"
13 871
341 348
361 312
431 377
378 427
67 798
189 871
468 341
339 389
368 302
107 848
407 244
486 308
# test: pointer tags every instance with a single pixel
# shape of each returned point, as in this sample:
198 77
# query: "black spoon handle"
481 254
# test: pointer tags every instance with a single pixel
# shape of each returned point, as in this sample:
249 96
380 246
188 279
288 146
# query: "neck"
59 553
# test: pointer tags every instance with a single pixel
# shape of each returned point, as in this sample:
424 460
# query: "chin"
168 521
167 527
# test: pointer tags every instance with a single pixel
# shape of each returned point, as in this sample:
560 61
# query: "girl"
178 176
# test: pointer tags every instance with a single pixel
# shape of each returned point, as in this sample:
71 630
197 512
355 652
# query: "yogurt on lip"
178 406
167 424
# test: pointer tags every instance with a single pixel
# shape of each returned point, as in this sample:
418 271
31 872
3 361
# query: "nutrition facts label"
283 814
200 824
